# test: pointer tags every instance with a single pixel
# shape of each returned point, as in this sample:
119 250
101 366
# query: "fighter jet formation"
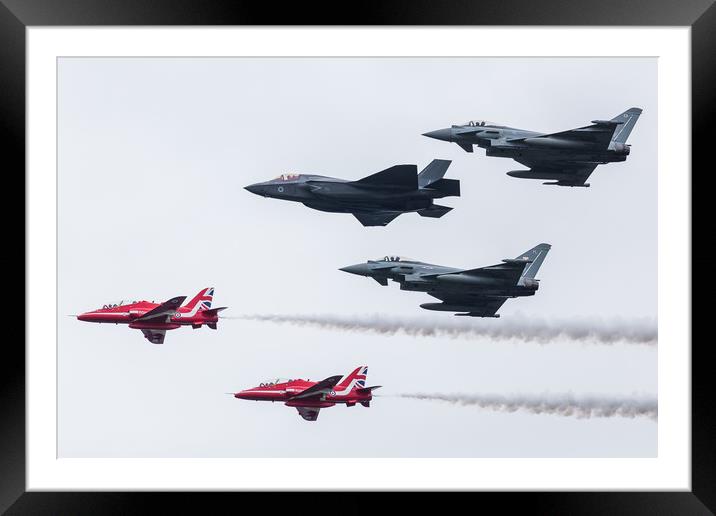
567 158
474 292
374 200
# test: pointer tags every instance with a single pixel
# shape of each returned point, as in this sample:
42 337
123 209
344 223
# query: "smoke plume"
530 330
561 405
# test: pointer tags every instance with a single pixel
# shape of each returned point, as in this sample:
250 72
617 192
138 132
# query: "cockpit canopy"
288 177
275 381
121 303
479 123
395 259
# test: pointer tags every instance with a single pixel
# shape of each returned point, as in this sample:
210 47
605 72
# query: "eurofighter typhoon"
474 292
568 157
374 200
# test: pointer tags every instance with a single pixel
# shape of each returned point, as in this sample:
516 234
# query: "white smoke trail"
633 331
562 405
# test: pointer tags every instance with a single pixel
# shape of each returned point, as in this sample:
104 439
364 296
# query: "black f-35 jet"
474 292
374 200
568 157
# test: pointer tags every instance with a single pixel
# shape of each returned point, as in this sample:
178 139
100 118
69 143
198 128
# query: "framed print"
233 193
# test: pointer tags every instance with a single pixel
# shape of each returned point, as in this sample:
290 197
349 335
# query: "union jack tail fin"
202 300
354 380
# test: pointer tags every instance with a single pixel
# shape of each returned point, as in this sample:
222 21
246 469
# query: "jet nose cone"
257 189
361 269
248 394
440 134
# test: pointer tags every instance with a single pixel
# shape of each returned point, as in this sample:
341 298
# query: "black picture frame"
16 15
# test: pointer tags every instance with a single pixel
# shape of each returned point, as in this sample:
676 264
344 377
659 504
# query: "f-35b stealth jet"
567 157
474 292
374 200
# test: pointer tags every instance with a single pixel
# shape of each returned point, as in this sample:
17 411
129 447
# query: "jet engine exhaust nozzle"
621 148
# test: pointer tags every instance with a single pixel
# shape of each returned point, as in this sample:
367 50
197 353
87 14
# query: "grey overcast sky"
153 157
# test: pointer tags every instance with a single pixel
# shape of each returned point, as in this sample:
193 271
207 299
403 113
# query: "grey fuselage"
340 196
531 147
425 277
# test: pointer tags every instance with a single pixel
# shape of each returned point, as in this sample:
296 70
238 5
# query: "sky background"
153 157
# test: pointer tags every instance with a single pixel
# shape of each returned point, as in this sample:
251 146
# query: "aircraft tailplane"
448 187
213 311
368 390
435 211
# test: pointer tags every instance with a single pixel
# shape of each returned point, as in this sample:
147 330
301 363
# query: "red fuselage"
127 313
284 391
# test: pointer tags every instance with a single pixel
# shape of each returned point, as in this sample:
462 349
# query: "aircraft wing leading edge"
508 271
599 134
319 389
163 311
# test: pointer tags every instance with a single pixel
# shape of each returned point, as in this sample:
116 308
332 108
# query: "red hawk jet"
310 397
155 319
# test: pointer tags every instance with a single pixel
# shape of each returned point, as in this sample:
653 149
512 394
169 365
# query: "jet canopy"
287 177
479 123
395 259
275 381
121 303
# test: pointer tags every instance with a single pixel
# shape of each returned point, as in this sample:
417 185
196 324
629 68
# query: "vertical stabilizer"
627 122
354 380
433 172
536 255
201 301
